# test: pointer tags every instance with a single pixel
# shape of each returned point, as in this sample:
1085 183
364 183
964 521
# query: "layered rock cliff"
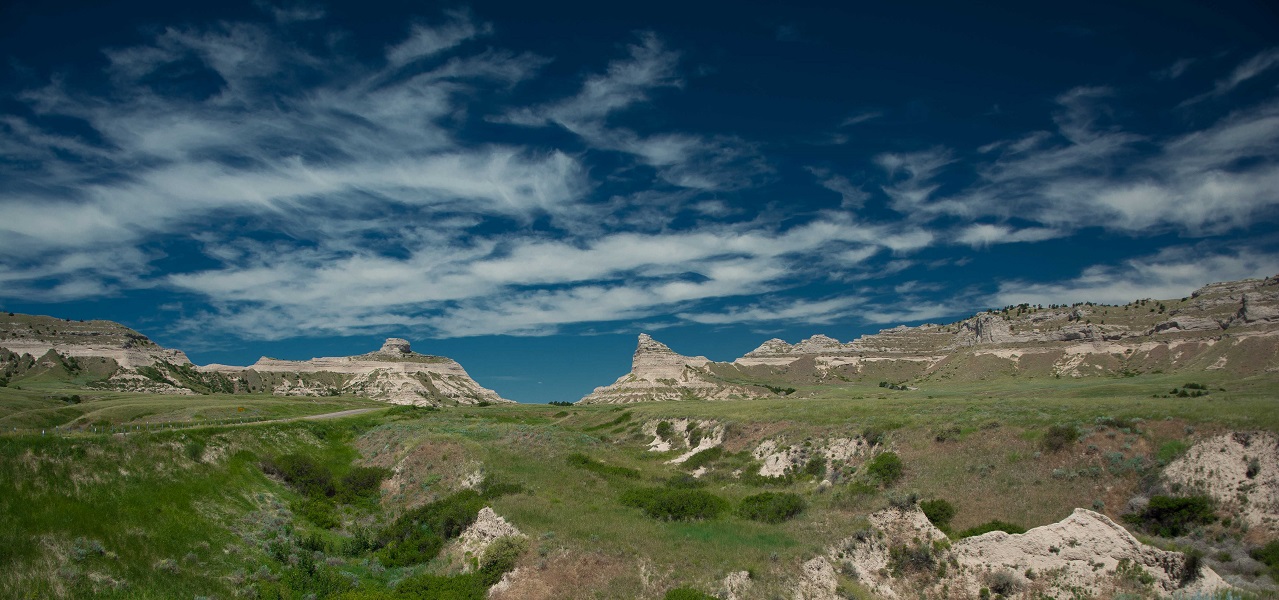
659 373
1232 326
393 374
36 335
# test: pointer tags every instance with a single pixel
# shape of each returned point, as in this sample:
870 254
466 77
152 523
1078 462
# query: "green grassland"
174 513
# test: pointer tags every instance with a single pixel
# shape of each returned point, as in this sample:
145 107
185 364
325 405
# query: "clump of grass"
771 507
685 593
582 461
994 525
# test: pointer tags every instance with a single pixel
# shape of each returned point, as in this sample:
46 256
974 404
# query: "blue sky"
525 187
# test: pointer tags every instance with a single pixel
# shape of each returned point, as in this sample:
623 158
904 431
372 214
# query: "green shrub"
771 507
583 461
886 467
317 511
302 473
362 483
939 511
815 467
426 586
499 558
684 593
684 481
1059 436
1172 516
664 430
1269 556
418 535
675 504
703 458
989 526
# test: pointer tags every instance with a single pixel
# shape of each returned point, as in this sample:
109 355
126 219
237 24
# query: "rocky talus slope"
393 374
659 373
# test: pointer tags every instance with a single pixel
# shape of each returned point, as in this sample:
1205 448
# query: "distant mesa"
114 357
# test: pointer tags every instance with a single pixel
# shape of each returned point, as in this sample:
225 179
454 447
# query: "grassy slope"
43 407
144 498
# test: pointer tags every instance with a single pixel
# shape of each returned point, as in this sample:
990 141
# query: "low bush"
1173 516
703 458
675 504
907 559
989 526
418 535
583 461
771 507
1269 556
886 467
939 511
815 467
361 483
302 473
1059 436
499 558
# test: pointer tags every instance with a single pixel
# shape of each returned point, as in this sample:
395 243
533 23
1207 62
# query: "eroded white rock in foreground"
903 554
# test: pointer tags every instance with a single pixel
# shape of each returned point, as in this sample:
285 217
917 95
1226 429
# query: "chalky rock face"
659 373
1232 326
1085 554
393 374
37 335
396 346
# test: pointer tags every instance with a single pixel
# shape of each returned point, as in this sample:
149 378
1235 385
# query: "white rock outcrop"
393 374
1084 553
1239 470
659 373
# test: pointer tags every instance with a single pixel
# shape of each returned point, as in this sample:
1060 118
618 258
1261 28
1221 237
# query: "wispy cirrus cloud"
1170 273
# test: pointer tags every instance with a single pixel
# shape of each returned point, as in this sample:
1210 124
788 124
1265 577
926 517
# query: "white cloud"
1254 66
816 312
861 117
986 234
1172 273
426 41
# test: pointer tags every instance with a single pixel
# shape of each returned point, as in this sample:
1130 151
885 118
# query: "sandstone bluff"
115 357
1232 327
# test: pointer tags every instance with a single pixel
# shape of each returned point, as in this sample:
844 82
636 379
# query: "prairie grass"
160 514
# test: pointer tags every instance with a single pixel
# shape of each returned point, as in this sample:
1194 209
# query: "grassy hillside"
191 512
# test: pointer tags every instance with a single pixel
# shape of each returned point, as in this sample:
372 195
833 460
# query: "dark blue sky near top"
524 187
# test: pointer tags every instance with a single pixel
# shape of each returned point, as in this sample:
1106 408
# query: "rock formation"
37 335
659 373
1232 326
1084 554
1239 470
393 374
